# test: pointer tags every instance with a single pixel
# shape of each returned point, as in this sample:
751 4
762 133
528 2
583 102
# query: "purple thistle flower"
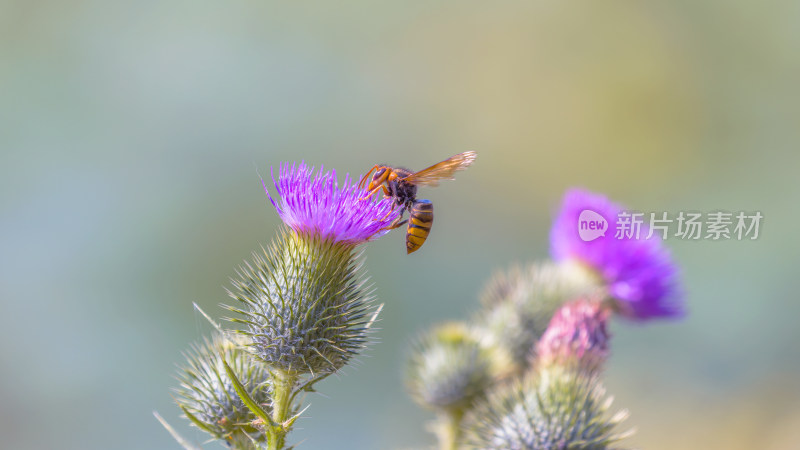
576 333
639 272
317 205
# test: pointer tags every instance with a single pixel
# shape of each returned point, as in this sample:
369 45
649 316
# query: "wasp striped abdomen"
419 224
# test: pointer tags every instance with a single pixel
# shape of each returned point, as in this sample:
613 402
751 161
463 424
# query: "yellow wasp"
401 184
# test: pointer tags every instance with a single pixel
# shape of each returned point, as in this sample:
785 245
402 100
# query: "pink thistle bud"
576 335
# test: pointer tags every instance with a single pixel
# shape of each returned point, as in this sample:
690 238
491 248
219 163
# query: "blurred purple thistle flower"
639 273
576 334
317 205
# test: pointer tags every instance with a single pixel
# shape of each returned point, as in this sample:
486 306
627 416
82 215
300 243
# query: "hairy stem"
449 429
282 384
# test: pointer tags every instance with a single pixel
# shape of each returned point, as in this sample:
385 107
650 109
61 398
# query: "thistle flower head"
576 337
449 369
638 272
207 396
552 410
316 205
304 305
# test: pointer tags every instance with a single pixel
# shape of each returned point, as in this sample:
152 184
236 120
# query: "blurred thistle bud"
306 308
576 337
449 368
208 398
538 283
502 285
550 409
519 303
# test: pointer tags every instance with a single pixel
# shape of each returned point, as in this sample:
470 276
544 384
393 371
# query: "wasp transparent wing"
441 171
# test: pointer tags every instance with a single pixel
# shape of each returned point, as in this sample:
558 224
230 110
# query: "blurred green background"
131 132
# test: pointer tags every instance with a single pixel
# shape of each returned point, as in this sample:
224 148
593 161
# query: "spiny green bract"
553 409
305 307
519 303
449 369
207 396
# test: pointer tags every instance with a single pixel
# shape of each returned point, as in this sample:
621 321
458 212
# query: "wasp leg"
386 192
364 179
396 224
391 211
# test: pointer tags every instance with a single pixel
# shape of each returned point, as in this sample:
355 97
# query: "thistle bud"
208 398
576 337
502 285
306 307
449 368
554 409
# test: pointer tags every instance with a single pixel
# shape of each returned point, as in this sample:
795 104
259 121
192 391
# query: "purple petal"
317 205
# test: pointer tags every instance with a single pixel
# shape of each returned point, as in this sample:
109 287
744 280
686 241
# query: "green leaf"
197 421
246 398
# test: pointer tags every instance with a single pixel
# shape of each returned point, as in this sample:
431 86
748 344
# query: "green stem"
450 429
282 385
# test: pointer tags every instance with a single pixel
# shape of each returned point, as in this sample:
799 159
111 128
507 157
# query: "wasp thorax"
306 309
